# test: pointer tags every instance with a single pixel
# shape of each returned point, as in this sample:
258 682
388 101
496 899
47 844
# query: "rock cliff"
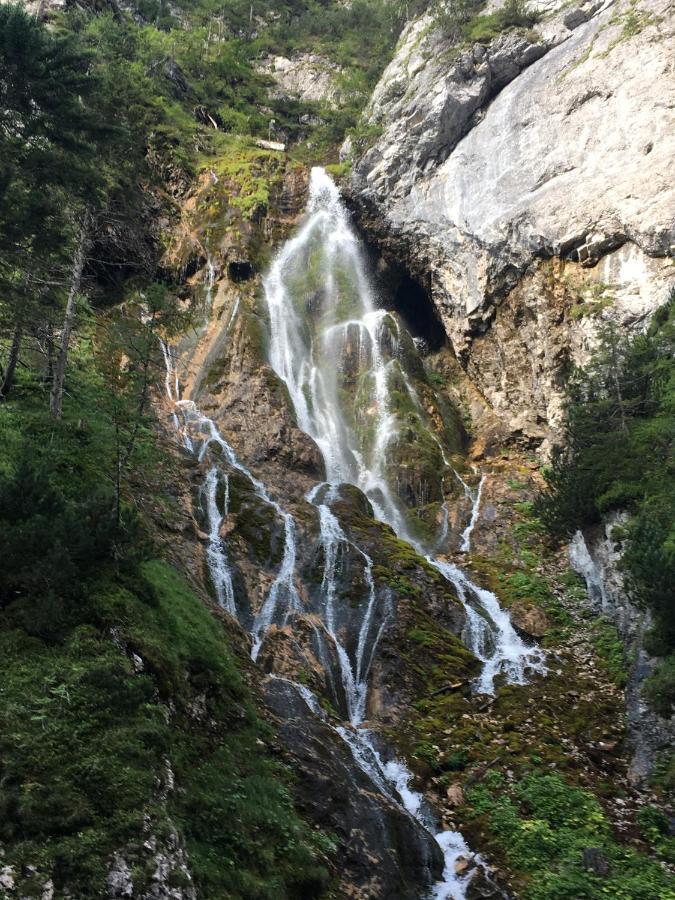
526 183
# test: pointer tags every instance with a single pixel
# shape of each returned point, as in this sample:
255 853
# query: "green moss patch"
88 731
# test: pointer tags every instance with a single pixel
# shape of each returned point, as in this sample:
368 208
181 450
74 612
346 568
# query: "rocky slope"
596 556
526 184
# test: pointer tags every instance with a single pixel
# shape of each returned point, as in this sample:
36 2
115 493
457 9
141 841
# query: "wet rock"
461 865
383 852
483 887
596 556
303 651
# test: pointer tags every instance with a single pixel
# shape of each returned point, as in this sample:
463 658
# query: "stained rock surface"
527 185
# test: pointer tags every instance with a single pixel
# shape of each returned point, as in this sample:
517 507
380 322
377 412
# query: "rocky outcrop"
596 556
307 77
168 867
385 853
526 184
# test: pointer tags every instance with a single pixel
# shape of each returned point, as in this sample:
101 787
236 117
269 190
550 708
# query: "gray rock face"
427 97
307 76
384 852
494 160
595 555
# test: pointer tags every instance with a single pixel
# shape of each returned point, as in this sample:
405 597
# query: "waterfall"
198 433
216 554
465 546
334 542
327 336
336 352
325 257
210 280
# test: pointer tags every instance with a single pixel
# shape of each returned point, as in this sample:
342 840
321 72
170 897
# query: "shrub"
659 687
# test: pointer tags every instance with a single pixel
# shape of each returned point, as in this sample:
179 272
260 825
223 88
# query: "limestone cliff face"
528 185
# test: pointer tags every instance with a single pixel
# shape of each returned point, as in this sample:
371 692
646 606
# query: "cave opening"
240 271
402 293
413 303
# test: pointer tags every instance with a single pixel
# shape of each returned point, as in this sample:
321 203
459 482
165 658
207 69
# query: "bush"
542 825
659 687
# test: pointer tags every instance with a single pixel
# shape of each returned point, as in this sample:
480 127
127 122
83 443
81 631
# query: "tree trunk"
8 380
49 347
56 397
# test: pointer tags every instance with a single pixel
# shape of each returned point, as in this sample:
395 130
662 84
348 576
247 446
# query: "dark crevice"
398 291
240 271
417 310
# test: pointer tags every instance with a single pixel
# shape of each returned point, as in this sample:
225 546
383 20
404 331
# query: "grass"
86 739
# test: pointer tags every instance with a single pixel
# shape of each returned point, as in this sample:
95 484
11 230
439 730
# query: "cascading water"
338 355
336 352
198 434
474 496
334 541
210 281
327 337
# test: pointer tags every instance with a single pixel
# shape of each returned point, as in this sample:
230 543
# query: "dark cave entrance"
397 290
240 271
413 303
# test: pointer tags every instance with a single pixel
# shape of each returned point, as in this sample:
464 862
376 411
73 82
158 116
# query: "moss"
85 737
248 174
610 649
513 15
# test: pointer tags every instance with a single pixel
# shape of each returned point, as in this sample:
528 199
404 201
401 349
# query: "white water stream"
324 325
199 433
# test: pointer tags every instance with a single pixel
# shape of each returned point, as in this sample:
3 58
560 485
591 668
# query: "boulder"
530 621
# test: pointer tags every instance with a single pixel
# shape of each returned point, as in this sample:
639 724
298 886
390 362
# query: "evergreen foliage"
464 21
618 454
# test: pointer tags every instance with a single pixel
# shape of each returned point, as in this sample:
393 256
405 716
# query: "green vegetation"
659 687
115 678
199 67
86 739
618 454
551 834
464 22
610 649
